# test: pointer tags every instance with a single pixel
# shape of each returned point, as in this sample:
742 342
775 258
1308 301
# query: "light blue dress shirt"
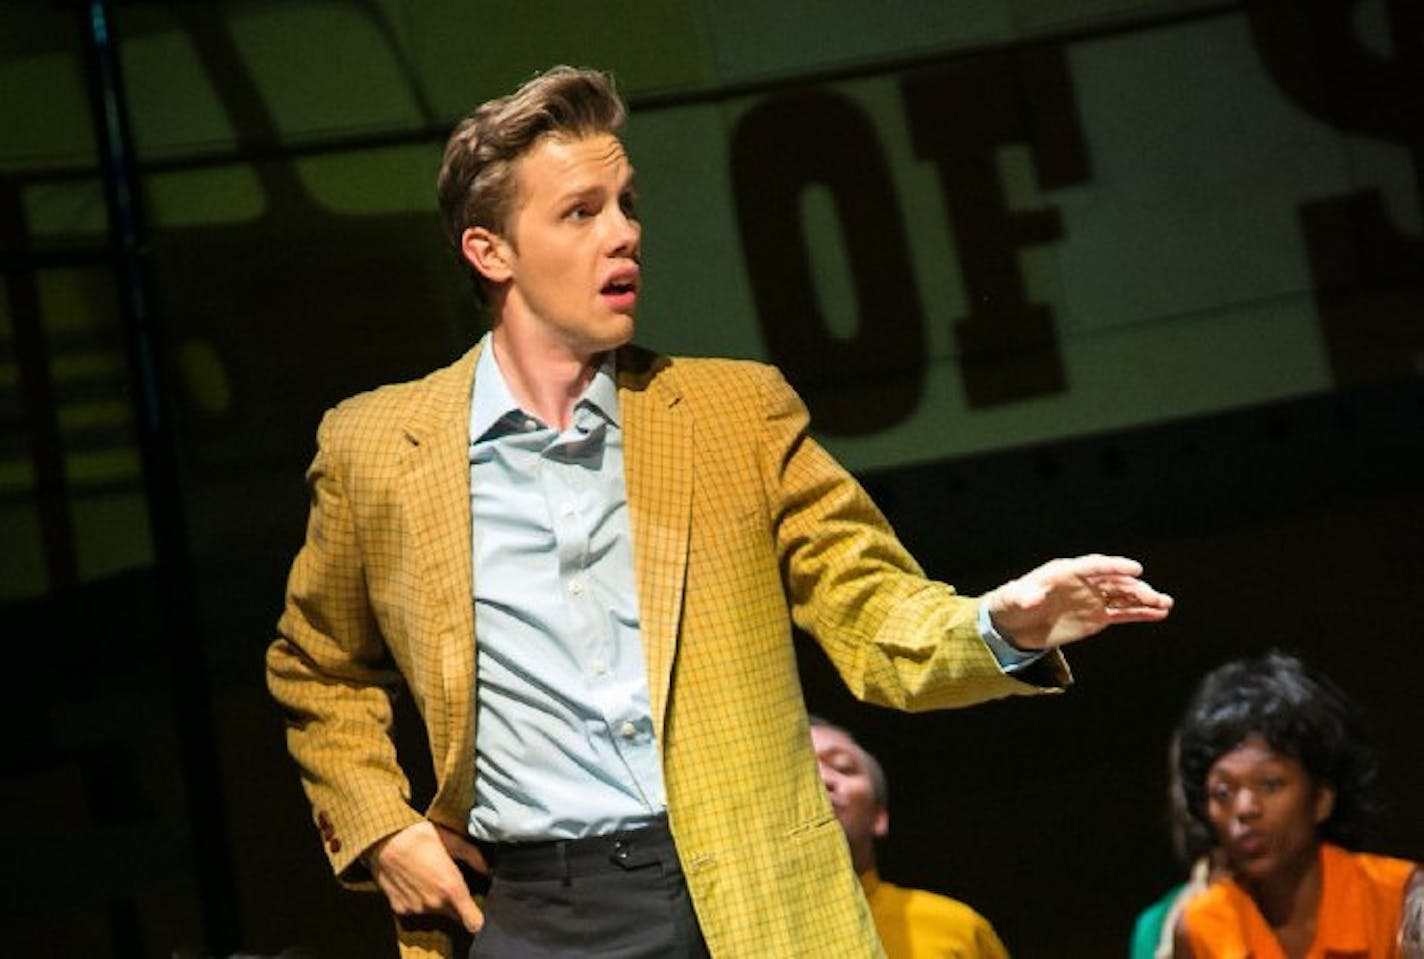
564 735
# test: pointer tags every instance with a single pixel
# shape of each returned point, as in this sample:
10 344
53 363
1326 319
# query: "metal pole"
182 642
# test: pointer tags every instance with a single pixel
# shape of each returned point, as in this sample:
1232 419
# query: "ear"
488 252
1324 802
880 825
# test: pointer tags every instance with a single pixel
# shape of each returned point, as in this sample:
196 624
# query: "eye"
628 203
1272 784
582 211
1218 792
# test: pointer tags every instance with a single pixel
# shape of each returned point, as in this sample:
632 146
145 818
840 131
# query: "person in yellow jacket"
912 923
583 561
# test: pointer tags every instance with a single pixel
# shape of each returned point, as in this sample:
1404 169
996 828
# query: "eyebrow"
592 188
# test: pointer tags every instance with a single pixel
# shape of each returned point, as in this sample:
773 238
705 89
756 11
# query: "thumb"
461 849
470 855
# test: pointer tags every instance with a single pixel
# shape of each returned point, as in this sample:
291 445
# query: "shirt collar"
492 400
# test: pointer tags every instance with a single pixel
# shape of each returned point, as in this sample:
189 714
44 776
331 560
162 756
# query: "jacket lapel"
657 465
436 495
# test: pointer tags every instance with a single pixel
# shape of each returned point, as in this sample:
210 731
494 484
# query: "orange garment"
1361 900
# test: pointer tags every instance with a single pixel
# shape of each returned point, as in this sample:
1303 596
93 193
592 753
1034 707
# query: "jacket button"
334 845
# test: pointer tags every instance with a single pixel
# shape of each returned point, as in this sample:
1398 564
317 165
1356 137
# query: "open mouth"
620 293
1250 845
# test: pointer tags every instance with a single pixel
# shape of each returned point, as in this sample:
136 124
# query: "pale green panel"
111 533
830 262
1136 376
1036 17
1039 265
326 67
22 561
44 108
922 215
471 51
205 196
697 299
933 251
369 182
71 209
1199 166
754 39
172 103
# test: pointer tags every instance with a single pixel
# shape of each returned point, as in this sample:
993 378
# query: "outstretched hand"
416 870
1066 600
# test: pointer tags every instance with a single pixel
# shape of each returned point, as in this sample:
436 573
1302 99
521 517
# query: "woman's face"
1266 810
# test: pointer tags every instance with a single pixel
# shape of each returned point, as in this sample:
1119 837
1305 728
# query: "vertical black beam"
177 613
38 400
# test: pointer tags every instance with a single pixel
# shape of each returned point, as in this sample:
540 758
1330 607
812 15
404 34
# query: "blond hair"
476 185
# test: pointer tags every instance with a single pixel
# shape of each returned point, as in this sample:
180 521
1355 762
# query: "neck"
546 382
1289 901
862 857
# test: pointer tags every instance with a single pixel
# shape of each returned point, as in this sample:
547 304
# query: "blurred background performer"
1274 764
912 923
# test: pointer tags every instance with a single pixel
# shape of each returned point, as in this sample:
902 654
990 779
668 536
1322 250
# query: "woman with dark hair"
1275 770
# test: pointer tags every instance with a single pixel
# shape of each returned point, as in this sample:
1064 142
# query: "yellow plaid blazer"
740 524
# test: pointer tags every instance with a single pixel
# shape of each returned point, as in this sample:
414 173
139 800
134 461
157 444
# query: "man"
912 923
583 560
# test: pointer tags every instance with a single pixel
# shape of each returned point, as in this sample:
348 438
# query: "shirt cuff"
1011 658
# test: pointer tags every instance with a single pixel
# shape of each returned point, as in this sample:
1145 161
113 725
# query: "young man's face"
852 794
571 247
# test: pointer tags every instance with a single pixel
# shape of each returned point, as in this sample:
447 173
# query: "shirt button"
599 667
568 508
627 730
576 587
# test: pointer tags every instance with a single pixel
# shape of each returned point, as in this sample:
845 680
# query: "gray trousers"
620 896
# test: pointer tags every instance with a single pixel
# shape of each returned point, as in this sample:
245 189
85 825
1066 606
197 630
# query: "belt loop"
563 849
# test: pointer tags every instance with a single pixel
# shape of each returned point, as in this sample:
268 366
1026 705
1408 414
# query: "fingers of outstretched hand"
1127 593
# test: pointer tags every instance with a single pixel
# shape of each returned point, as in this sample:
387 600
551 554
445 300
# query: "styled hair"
1299 713
878 787
1191 839
477 184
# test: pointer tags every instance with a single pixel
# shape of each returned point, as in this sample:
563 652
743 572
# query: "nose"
1247 804
624 234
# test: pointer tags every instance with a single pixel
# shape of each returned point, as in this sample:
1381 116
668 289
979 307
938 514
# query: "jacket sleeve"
331 673
896 637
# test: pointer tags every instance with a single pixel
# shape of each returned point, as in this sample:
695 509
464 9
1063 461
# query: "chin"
617 334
